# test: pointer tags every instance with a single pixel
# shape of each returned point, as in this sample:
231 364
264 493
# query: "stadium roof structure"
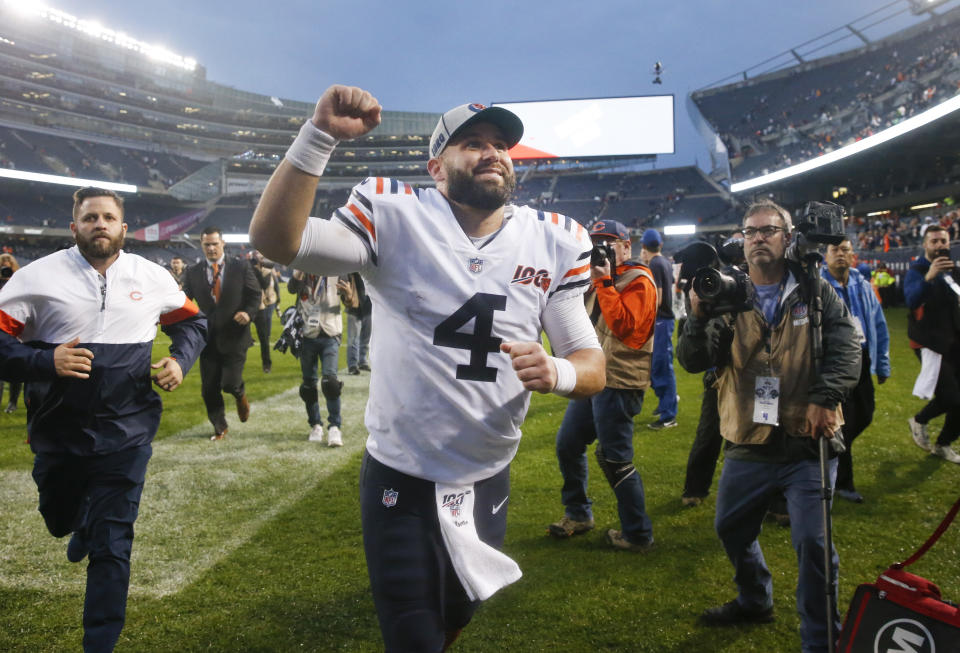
83 102
876 122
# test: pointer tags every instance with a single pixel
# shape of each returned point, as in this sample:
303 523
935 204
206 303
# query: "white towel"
481 568
929 372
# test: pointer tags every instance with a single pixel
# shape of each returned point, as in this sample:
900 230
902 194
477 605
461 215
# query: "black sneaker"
732 613
77 548
354 370
661 424
849 495
364 367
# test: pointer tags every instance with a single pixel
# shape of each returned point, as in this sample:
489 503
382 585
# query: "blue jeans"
743 494
608 418
326 349
662 379
358 340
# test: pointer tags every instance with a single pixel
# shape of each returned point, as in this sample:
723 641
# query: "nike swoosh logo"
495 509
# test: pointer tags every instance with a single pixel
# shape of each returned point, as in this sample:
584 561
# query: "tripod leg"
826 494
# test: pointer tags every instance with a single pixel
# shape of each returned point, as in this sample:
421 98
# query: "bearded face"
99 244
464 188
98 228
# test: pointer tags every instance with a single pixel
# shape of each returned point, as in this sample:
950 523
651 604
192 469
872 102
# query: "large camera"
727 290
819 223
601 253
721 288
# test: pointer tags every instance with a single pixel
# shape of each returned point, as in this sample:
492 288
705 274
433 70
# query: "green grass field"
254 543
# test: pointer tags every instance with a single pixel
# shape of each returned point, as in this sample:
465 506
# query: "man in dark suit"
228 292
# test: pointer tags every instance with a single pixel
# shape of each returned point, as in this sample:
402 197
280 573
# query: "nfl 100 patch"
390 497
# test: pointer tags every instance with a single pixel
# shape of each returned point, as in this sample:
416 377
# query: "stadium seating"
795 114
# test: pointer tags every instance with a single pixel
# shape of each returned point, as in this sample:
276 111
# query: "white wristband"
566 376
311 149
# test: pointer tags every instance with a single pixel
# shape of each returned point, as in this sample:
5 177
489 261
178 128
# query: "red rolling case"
902 612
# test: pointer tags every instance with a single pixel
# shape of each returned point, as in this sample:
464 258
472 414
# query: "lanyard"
769 326
778 309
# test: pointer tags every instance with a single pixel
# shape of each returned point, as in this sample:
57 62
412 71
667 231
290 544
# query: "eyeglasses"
751 232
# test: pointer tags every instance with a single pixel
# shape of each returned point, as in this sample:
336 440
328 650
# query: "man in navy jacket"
932 291
79 326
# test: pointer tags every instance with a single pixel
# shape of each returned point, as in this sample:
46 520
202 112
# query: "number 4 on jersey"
480 343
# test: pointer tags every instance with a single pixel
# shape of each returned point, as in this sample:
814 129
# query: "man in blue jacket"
79 325
857 293
932 292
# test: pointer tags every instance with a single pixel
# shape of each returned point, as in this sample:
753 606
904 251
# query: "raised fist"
346 112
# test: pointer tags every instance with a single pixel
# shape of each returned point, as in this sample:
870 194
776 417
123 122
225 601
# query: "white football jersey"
445 403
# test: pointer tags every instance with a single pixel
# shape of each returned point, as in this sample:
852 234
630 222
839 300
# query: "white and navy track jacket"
60 297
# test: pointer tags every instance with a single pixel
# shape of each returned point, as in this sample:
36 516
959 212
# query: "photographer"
773 408
268 276
622 304
933 297
318 302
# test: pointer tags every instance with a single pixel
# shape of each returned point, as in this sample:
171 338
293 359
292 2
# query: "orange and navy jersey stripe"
358 214
388 186
564 221
576 277
188 310
10 325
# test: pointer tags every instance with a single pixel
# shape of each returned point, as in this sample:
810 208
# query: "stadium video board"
594 127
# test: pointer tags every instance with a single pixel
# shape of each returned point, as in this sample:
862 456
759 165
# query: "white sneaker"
947 453
316 433
919 433
334 437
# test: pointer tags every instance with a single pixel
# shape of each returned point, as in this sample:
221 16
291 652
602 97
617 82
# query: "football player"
462 285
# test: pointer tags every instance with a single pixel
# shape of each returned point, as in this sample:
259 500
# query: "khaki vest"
789 360
627 369
269 296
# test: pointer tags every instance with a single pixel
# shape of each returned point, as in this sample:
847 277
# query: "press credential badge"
766 400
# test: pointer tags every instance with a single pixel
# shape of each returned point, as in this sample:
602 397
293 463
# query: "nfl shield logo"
476 265
390 498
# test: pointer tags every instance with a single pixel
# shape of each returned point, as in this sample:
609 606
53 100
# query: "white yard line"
202 500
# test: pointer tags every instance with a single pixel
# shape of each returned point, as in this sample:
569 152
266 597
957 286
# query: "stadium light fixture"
236 239
875 213
680 230
65 181
924 206
910 124
94 29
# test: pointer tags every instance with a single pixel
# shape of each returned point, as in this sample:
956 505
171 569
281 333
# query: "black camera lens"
600 253
710 283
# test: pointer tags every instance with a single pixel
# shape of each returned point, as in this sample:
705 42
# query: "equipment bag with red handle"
902 611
